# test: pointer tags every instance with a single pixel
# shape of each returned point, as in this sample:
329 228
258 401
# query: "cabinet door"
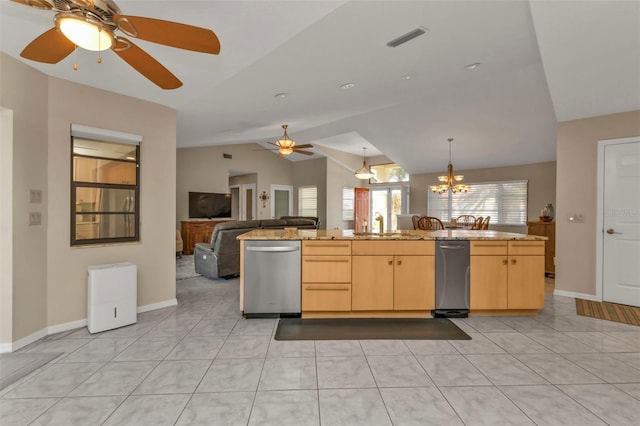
414 283
526 282
488 282
372 283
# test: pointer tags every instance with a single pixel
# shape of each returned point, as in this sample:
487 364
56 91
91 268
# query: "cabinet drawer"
326 297
326 247
393 248
534 248
488 248
326 269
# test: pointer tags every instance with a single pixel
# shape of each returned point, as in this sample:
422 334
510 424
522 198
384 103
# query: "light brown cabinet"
507 275
326 276
197 231
546 229
393 275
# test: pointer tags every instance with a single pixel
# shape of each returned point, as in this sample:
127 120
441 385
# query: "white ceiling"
576 58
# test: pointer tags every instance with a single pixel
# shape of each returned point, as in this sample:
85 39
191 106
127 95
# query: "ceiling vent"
406 37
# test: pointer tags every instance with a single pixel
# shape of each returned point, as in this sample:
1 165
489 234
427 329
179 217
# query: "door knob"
612 231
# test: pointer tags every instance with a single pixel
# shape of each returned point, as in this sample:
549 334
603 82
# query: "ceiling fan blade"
303 146
145 64
49 47
303 152
169 33
38 4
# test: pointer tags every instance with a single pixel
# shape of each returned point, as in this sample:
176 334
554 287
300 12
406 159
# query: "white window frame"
348 203
308 200
501 214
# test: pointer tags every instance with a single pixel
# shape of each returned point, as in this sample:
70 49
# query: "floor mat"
185 268
15 366
608 311
368 328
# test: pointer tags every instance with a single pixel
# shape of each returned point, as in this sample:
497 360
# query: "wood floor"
608 311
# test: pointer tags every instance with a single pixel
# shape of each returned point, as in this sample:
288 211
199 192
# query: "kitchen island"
348 274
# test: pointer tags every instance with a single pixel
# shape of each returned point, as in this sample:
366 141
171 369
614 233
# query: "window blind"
505 202
308 201
347 203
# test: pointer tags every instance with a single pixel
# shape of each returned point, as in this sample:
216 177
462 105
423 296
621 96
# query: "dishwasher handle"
452 247
272 249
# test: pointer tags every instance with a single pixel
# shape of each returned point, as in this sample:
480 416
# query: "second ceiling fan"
285 145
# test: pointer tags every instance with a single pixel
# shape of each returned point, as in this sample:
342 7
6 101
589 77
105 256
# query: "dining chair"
430 223
485 223
478 223
465 220
414 219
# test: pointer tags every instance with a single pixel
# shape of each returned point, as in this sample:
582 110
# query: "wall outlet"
576 218
35 196
35 218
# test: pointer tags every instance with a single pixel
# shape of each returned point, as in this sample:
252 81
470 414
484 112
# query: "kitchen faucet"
380 220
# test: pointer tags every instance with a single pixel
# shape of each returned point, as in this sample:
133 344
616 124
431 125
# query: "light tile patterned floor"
199 363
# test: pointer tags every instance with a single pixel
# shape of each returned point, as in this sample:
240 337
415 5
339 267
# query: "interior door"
361 209
281 201
621 223
248 210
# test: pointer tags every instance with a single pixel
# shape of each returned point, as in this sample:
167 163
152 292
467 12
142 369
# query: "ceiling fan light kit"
93 25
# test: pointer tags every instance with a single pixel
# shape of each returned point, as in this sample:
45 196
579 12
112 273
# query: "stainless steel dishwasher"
271 278
452 278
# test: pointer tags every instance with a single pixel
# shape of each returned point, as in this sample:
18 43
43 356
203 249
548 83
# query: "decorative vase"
549 211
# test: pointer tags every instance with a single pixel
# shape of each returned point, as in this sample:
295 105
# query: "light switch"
35 196
35 218
576 218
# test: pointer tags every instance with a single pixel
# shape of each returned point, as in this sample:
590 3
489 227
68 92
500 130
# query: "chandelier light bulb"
84 33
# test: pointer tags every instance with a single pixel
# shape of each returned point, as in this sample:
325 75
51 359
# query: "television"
209 205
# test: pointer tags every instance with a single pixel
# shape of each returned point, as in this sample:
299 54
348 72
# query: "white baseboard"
576 295
159 305
59 328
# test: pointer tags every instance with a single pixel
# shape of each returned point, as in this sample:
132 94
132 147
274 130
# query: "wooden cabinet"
393 275
326 276
507 275
546 229
197 231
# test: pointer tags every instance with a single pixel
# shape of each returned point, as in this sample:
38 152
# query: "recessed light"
347 86
281 95
408 76
472 66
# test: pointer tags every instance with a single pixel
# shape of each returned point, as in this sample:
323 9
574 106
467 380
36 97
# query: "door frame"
243 201
600 210
272 195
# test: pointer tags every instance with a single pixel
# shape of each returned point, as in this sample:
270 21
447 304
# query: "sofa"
221 257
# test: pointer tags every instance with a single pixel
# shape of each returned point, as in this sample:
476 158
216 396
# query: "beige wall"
337 178
6 224
577 156
50 277
541 177
24 90
311 173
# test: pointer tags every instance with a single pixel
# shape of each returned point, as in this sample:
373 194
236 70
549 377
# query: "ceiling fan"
285 145
92 25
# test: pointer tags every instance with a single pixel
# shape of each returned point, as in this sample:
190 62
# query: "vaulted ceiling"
540 62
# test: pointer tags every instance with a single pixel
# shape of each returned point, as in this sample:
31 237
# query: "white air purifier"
112 296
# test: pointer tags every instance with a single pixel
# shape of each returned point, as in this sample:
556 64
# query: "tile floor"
199 363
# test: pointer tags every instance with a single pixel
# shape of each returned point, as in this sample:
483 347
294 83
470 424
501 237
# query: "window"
348 194
105 188
308 201
388 173
505 202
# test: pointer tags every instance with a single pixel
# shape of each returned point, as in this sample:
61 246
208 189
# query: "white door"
621 223
281 201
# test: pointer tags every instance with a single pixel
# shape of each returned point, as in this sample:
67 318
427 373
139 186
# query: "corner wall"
577 192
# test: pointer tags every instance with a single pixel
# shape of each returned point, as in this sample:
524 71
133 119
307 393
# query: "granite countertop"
327 234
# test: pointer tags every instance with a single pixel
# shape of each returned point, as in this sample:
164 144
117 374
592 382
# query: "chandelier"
285 143
450 181
364 172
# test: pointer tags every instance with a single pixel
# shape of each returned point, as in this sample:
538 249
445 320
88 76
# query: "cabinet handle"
513 261
328 245
326 289
504 261
399 262
326 260
390 262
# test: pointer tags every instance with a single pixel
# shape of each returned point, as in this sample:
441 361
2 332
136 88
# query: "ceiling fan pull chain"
99 60
75 58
